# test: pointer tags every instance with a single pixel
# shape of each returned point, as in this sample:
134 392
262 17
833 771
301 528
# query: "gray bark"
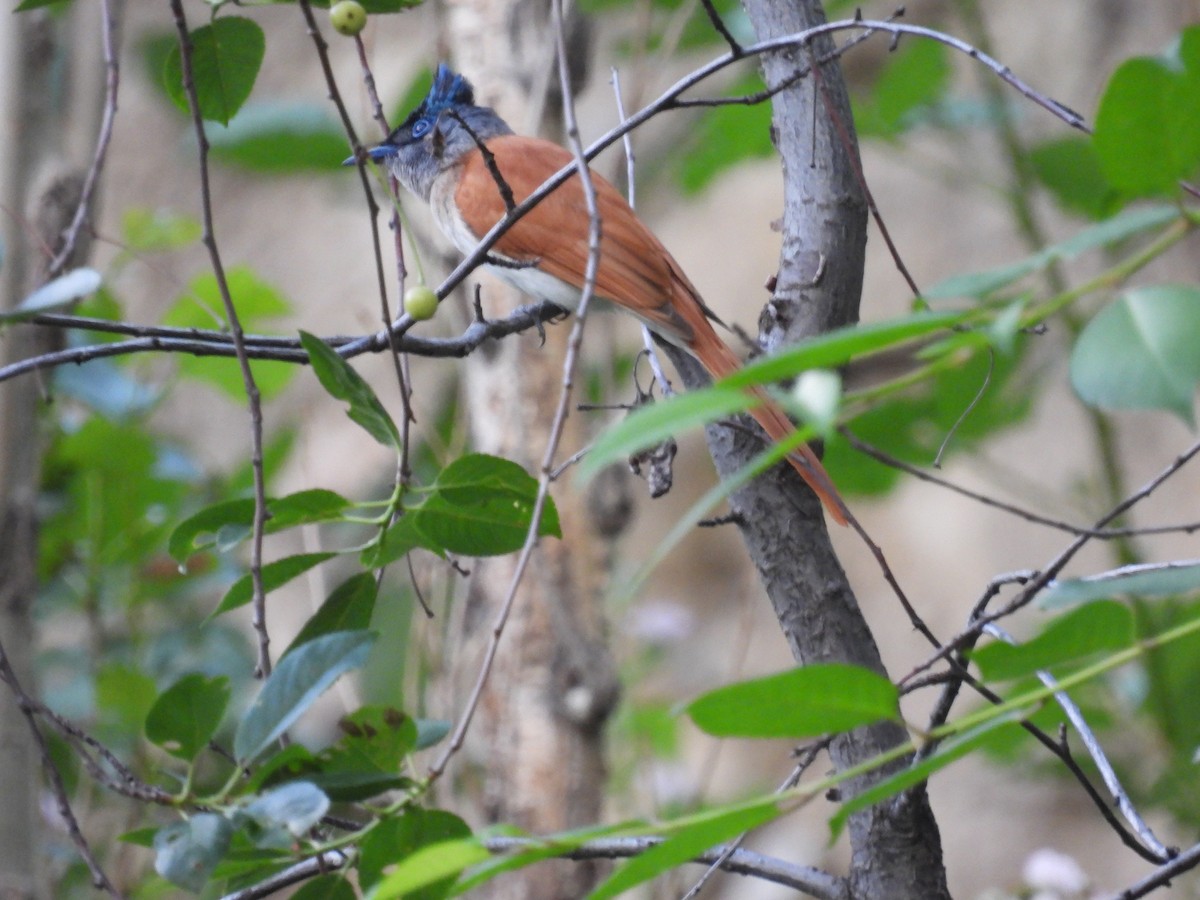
896 847
38 49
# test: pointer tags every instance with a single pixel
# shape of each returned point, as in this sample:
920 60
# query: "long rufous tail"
720 362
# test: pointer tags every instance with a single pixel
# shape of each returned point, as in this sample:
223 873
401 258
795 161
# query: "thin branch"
807 756
962 416
1056 565
1090 741
330 861
860 176
198 342
669 100
719 26
110 28
254 400
813 882
1161 877
798 75
570 363
28 709
1078 530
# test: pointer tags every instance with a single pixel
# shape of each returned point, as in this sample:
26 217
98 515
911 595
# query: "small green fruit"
348 17
420 302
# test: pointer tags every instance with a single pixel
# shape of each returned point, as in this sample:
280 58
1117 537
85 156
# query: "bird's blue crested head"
449 90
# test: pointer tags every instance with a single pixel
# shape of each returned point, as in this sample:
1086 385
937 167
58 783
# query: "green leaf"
200 531
805 702
368 759
348 608
395 542
399 838
913 426
107 388
280 138
297 681
226 56
482 505
1148 125
1168 696
187 715
37 4
1142 352
1152 581
428 867
706 831
994 731
274 574
836 348
343 383
148 231
187 852
305 508
201 306
431 732
326 887
286 813
62 291
647 426
914 79
1070 168
124 694
1074 637
140 837
1119 228
235 518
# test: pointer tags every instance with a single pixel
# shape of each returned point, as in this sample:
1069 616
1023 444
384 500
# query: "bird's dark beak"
378 153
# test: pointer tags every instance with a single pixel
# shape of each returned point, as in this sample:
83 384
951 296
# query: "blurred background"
956 164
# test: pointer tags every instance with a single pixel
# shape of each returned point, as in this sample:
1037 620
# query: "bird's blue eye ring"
420 127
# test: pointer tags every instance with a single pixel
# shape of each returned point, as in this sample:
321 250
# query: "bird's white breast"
528 279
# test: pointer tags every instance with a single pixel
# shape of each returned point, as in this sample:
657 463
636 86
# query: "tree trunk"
39 202
537 743
895 846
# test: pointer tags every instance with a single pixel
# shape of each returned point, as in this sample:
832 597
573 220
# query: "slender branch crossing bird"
466 163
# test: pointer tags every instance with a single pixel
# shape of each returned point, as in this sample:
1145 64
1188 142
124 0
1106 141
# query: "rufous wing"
634 270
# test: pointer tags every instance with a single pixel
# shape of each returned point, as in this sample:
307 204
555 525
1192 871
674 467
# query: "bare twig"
28 709
962 416
110 29
719 26
254 400
1101 533
198 342
1090 741
1056 565
669 99
813 882
570 363
806 758
1162 876
330 861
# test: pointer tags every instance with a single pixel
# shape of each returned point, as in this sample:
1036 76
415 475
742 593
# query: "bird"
469 166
